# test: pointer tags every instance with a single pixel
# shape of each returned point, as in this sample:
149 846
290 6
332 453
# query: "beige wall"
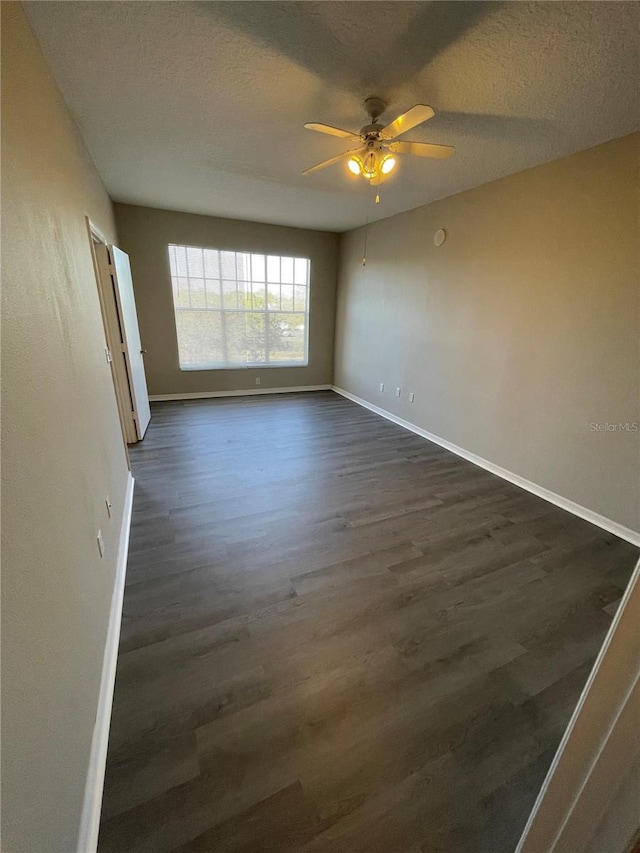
62 454
519 332
145 234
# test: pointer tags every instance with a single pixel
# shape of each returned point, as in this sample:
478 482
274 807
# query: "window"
239 309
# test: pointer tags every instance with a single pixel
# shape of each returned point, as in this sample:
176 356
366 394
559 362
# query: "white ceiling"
200 106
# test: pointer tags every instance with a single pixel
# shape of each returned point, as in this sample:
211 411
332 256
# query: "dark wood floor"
340 637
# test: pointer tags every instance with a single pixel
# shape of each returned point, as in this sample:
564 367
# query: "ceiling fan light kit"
376 159
371 163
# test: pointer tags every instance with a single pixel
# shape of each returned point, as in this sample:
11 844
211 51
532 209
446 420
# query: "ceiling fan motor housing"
371 131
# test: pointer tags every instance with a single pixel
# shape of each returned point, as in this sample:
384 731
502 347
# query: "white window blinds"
239 309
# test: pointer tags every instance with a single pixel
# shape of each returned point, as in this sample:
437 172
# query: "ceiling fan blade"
328 162
412 118
422 149
332 131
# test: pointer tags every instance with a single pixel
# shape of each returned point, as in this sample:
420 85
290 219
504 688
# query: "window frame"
266 365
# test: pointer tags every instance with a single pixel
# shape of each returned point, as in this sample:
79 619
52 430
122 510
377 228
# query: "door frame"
114 351
600 747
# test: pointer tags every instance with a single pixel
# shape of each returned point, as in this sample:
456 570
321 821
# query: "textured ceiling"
200 106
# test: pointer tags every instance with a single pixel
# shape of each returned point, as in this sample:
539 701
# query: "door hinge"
107 353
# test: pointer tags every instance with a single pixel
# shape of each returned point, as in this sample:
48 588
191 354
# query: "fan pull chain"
364 248
366 232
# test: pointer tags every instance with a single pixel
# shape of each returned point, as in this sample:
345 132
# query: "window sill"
210 367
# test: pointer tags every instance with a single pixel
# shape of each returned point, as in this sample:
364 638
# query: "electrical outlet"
100 543
109 505
257 380
412 397
382 386
397 392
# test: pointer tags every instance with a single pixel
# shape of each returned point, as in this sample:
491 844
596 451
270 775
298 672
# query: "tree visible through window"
239 309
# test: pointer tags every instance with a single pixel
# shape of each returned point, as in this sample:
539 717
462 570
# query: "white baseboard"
547 495
90 821
246 392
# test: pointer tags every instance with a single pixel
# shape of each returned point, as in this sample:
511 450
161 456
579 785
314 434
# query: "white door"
132 348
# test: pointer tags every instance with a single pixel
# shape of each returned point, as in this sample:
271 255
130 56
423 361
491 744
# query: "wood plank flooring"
340 638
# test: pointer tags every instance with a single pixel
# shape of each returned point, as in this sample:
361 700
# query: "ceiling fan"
374 157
